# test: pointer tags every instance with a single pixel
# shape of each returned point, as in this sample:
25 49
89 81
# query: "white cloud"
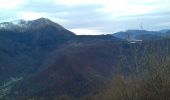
86 31
10 4
76 2
116 7
31 15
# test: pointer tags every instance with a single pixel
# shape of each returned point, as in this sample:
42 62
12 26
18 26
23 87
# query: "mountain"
137 34
164 30
148 37
41 60
86 65
167 34
25 45
81 67
30 50
23 25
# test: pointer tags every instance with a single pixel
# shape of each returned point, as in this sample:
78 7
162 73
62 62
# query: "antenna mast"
141 26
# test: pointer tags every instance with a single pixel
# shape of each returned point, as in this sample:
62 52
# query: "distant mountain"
148 37
167 34
164 30
137 34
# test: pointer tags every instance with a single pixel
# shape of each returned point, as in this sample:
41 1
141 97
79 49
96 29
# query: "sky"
92 16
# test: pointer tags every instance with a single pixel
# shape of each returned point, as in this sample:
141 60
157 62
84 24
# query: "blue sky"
92 16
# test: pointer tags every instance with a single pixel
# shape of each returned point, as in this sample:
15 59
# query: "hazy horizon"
92 16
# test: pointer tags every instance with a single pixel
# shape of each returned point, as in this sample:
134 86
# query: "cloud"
92 16
32 15
10 4
86 31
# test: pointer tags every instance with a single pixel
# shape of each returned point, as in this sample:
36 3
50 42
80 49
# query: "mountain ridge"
138 34
25 25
